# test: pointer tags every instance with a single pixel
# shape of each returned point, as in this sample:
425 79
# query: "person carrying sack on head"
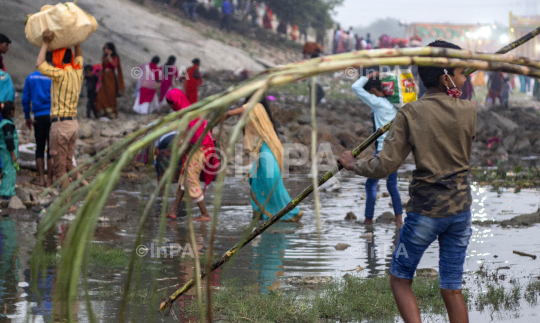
66 74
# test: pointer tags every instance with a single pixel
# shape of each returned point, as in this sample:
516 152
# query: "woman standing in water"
268 194
177 100
111 83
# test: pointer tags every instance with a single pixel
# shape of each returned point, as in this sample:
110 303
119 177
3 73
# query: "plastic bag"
399 86
71 25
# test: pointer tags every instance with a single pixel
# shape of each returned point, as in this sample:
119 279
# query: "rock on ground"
331 185
503 122
386 217
351 216
342 246
348 139
427 273
85 130
523 220
303 134
110 132
15 203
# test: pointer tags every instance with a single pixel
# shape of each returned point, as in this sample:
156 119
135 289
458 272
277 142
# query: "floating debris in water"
524 254
357 269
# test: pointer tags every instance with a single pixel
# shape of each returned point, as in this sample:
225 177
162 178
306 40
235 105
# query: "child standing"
369 90
439 130
9 151
91 88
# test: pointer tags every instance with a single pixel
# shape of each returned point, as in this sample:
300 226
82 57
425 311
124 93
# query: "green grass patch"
99 256
352 299
108 257
497 298
532 291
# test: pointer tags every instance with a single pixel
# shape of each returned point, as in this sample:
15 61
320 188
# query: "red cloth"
169 74
211 165
146 95
112 65
155 69
58 57
267 19
192 84
178 98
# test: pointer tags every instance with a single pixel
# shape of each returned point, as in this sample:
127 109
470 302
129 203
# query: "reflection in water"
9 266
371 256
44 301
389 252
376 249
267 258
284 250
45 286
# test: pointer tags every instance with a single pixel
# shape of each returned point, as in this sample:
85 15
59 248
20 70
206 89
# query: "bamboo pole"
291 205
315 172
513 45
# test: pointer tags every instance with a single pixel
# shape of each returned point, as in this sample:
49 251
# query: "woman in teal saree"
268 194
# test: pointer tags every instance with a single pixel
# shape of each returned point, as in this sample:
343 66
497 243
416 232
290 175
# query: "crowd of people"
256 14
156 81
438 129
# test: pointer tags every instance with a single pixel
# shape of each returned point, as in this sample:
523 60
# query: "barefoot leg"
40 163
399 221
176 204
205 216
50 178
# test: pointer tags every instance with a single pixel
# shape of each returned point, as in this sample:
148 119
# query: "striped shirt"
65 89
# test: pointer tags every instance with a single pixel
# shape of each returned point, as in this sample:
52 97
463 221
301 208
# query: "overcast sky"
364 12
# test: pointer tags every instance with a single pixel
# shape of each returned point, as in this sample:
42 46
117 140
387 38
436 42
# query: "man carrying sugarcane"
439 130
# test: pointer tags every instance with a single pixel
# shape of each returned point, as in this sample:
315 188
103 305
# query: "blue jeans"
191 10
371 194
419 231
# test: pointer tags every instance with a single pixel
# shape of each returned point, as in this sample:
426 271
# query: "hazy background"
391 16
363 12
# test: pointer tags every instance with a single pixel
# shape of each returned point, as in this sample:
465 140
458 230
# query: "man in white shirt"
369 90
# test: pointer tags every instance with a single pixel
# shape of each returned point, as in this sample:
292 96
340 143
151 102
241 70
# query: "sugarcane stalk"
513 45
291 205
410 52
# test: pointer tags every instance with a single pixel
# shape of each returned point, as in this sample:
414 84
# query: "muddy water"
285 250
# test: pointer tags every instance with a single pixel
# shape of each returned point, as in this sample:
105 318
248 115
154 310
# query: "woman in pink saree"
203 160
149 81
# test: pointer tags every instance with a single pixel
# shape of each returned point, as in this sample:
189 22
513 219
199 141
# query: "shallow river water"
285 250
